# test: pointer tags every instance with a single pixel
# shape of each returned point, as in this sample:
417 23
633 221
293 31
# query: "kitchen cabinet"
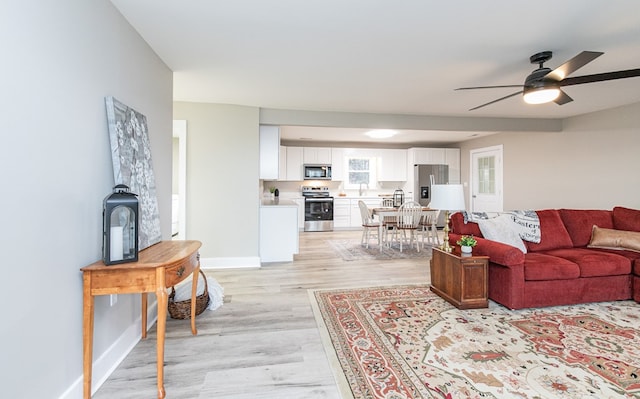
317 155
346 211
290 165
269 152
341 213
427 156
392 165
337 164
278 231
355 217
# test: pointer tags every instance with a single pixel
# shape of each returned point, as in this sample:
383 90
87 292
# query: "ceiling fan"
544 85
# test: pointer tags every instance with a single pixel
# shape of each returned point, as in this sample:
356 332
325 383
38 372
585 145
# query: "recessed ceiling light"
381 133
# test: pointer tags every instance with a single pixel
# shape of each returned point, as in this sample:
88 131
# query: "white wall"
592 164
222 181
60 59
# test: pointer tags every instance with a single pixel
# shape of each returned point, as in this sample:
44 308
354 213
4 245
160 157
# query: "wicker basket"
182 309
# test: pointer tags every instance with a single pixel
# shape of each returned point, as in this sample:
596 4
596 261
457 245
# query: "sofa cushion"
615 239
595 263
579 223
501 229
553 233
540 266
458 226
626 219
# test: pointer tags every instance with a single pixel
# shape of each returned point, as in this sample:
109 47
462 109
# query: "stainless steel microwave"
317 172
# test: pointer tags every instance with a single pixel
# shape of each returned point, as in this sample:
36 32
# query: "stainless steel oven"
318 209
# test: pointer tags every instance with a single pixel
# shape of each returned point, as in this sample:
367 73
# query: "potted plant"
466 244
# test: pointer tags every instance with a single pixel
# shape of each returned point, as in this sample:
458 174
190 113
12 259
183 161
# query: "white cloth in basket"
216 292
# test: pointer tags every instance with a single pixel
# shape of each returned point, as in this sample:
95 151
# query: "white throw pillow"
501 229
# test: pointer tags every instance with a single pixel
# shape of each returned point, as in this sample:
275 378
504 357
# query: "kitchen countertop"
361 197
277 202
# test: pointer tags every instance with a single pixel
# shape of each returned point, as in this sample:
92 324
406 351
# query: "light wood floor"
264 341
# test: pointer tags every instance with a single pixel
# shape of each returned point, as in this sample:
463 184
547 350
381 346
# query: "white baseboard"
107 362
230 263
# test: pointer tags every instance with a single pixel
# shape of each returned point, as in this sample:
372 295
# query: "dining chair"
408 220
428 228
368 224
388 222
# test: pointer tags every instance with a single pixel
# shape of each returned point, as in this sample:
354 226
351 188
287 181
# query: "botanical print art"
131 155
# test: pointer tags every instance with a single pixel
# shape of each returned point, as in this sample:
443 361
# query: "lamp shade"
448 197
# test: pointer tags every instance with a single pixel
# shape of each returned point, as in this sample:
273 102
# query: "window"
360 171
486 175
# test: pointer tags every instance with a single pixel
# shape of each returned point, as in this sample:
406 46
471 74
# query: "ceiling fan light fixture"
541 95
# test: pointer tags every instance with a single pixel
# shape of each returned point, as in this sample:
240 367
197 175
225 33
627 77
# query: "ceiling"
388 57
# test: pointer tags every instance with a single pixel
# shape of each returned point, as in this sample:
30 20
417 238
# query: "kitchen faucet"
360 191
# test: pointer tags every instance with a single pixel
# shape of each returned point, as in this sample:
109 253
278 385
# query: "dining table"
383 212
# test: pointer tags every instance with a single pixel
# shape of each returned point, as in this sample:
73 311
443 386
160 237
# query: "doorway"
486 179
179 190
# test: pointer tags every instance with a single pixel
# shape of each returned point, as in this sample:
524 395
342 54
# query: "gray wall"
60 59
222 178
592 164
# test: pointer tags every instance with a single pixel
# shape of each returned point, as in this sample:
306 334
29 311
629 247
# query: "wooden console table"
460 279
160 266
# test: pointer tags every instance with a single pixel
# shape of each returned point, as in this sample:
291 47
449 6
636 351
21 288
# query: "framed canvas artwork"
132 166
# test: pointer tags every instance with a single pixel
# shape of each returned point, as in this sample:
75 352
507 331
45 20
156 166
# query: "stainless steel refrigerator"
424 176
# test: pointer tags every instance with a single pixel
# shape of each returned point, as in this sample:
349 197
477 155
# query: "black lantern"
120 227
398 198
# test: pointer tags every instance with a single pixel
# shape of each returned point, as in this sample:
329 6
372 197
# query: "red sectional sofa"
562 269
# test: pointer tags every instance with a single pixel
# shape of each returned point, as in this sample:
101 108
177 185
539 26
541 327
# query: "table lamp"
447 197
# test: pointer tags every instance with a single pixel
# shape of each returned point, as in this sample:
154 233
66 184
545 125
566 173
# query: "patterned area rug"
406 342
352 250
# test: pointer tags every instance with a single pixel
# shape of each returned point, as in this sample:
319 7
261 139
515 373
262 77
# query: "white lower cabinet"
346 211
278 233
341 213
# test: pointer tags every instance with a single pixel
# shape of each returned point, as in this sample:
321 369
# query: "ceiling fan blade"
600 77
573 65
495 101
563 98
486 87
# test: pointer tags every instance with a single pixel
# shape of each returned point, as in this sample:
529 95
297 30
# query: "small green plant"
272 189
467 241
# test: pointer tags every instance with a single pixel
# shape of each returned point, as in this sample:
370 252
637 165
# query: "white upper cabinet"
269 152
294 163
392 165
317 155
427 156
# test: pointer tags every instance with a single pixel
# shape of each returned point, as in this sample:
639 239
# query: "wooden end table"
460 279
159 267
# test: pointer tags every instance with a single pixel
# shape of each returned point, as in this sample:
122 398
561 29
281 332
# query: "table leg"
87 333
194 291
380 230
144 301
161 294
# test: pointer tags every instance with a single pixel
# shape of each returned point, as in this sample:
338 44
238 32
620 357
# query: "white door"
486 179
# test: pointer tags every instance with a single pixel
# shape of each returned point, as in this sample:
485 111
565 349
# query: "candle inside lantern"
116 249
